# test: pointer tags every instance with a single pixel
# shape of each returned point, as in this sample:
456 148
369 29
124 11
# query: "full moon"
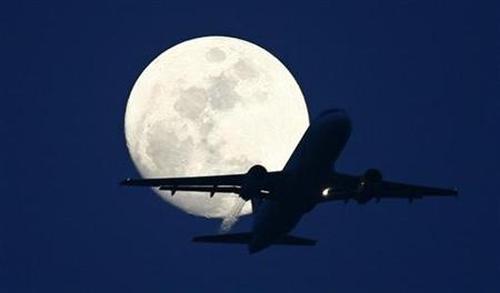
211 106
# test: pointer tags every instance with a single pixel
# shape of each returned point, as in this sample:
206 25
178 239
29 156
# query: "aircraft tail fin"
246 238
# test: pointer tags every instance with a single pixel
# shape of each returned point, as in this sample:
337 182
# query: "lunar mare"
210 106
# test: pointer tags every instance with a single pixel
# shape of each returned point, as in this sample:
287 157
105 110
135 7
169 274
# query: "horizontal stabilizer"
235 238
246 238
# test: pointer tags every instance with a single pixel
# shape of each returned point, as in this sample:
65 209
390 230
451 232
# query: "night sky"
420 80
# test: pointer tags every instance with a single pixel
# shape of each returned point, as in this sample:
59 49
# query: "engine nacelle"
253 182
372 176
368 185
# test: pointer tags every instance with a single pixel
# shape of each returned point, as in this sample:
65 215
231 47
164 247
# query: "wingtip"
126 181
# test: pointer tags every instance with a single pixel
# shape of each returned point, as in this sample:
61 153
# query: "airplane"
279 199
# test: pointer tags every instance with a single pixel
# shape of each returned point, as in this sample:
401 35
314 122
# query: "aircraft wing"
182 181
384 189
213 184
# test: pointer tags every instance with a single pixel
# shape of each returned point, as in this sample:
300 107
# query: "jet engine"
368 185
372 176
253 182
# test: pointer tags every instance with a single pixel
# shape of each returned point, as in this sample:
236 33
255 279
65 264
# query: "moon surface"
210 106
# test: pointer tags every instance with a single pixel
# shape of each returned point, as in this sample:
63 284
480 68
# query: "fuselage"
305 172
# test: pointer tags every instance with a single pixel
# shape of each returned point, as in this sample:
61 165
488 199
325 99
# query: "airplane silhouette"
280 199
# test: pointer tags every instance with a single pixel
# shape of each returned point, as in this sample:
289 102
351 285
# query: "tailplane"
246 238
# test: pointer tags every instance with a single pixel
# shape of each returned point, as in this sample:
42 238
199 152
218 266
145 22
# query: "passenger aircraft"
280 199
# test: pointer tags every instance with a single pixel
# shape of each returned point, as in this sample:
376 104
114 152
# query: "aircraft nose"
339 115
336 117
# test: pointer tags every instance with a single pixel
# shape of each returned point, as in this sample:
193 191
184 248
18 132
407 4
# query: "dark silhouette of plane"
280 199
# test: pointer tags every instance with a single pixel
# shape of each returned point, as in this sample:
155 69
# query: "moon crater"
191 102
215 55
222 93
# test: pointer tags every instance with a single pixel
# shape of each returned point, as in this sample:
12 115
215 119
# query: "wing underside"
232 180
384 189
211 184
349 186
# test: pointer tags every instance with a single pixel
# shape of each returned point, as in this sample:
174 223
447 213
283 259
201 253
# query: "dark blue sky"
420 80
